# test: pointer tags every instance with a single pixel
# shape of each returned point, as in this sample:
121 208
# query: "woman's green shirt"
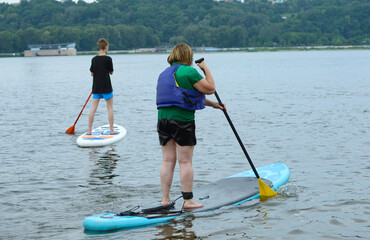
186 77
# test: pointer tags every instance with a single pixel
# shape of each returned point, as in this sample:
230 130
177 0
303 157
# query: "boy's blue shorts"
106 96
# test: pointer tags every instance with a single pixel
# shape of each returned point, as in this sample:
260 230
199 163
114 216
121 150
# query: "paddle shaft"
82 109
233 128
237 135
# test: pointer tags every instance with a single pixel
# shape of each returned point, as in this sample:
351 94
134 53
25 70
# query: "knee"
169 160
185 161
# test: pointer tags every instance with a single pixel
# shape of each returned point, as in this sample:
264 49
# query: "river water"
307 109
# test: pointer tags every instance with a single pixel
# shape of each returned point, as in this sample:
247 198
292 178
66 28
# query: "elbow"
207 89
210 90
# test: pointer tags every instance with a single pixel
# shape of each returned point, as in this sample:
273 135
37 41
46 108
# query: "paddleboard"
232 190
101 136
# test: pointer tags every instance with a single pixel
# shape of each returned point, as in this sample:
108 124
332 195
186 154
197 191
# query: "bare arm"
213 104
207 84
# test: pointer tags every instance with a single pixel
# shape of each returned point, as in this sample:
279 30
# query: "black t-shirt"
101 66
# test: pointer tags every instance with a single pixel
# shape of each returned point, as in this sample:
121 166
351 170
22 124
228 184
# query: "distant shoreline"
213 50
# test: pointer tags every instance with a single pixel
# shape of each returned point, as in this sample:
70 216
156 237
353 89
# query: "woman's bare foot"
113 133
190 203
165 203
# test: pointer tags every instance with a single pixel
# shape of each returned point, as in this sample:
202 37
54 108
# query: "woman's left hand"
215 104
218 106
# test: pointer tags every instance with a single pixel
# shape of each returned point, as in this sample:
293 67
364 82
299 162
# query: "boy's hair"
102 43
181 53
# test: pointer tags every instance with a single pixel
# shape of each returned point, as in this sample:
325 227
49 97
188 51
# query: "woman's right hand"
202 65
207 84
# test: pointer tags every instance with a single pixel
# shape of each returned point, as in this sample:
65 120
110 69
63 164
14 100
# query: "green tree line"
130 24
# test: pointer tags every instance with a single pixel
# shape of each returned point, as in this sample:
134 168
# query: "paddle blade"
265 191
71 130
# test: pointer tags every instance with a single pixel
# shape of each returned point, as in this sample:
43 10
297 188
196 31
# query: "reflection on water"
105 163
179 230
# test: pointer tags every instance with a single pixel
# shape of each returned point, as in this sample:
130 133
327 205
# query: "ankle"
166 201
187 195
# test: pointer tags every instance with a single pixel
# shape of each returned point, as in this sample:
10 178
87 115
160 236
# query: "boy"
101 69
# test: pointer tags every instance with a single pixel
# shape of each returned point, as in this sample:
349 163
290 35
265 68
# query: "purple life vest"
169 94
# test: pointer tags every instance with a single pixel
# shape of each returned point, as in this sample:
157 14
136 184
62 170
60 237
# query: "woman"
180 91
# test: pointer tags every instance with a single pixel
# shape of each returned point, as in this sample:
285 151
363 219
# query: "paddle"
71 130
265 191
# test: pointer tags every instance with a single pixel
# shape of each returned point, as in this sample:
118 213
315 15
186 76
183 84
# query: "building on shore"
277 1
62 49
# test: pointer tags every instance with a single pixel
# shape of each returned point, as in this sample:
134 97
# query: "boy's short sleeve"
110 65
91 66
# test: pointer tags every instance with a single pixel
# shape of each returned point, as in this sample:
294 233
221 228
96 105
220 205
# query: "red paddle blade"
71 130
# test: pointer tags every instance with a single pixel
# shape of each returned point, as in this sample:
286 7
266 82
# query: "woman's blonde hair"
181 53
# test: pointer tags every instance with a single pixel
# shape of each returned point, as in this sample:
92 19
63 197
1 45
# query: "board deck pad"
226 192
232 190
101 136
221 193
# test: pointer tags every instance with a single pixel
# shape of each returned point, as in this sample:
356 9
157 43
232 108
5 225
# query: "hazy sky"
17 1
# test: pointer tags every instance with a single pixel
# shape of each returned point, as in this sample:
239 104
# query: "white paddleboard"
101 136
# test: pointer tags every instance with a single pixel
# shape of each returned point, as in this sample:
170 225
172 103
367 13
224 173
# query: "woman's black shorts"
182 132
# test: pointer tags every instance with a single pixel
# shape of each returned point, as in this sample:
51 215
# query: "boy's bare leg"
110 114
94 107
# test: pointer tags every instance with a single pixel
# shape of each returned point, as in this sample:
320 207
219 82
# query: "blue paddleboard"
232 190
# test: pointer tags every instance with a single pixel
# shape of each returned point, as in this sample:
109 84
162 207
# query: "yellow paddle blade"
265 191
